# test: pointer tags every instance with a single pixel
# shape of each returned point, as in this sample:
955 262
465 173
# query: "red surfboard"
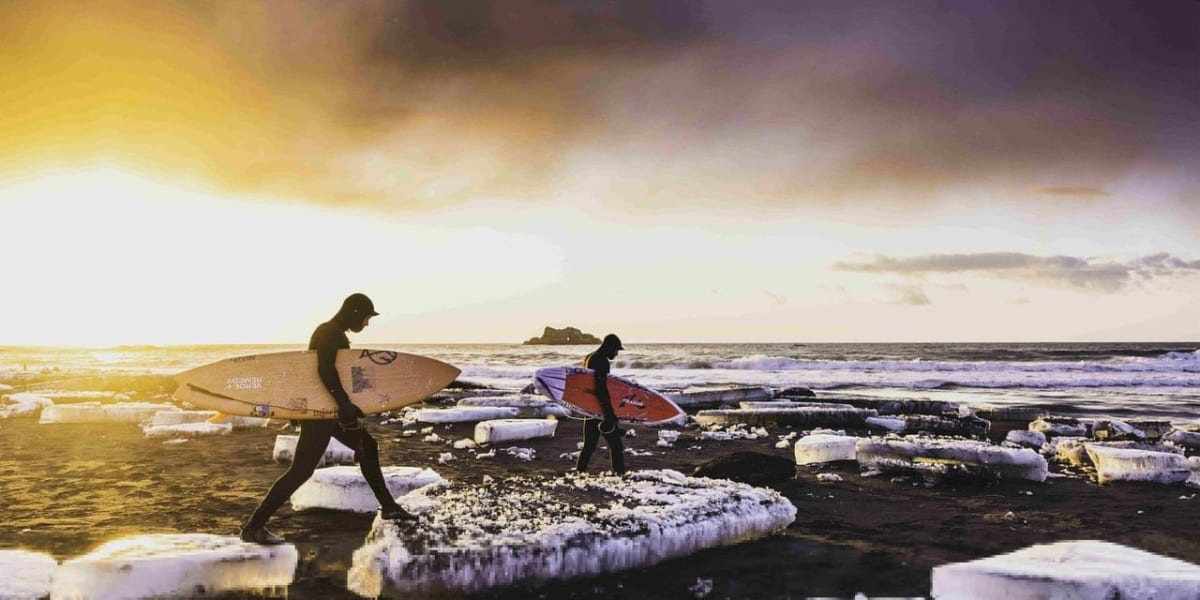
574 389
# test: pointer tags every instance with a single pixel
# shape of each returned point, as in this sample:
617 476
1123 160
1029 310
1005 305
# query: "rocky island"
562 337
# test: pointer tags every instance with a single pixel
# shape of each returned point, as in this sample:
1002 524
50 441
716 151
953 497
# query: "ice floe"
1183 439
1059 426
1026 438
823 448
790 404
1131 464
25 575
1019 414
174 566
95 412
465 414
805 416
335 453
697 398
187 430
23 404
509 430
344 488
475 537
1073 569
533 405
181 417
916 452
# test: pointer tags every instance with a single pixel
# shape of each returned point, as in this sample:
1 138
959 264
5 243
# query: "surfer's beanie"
612 342
358 305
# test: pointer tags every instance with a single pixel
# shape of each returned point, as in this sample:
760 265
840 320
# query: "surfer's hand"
348 415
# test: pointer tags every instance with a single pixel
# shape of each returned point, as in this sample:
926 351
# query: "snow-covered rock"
175 566
475 537
344 488
1074 569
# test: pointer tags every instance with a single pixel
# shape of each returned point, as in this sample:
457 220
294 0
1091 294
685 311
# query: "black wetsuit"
598 363
327 339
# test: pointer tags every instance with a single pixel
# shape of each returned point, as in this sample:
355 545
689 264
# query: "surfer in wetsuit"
327 339
599 363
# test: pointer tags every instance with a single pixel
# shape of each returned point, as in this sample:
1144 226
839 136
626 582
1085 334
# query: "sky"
177 172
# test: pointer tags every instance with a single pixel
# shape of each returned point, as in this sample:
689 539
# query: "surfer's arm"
327 370
601 384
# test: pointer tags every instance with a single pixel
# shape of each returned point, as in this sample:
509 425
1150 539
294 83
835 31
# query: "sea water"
1116 380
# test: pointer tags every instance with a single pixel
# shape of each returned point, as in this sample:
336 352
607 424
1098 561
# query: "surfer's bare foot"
261 536
396 514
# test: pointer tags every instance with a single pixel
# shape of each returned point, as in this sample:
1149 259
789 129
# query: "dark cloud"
770 101
1086 273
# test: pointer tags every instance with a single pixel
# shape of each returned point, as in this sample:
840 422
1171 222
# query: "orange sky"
685 171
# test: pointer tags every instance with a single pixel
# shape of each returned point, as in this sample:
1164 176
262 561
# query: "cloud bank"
1091 274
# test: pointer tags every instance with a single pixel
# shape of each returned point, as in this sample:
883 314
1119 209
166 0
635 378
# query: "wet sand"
67 488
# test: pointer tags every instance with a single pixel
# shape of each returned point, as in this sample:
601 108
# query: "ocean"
1115 380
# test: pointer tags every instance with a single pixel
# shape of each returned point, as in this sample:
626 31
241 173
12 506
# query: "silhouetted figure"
327 339
600 363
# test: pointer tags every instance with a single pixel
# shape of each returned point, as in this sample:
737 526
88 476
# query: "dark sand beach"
67 488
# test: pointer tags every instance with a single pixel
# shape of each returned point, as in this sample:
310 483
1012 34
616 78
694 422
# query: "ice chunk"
1183 439
1129 464
95 412
336 453
532 405
911 451
180 417
822 448
187 430
1059 426
344 488
1073 569
174 565
1070 450
23 404
465 414
509 430
892 424
477 537
695 398
25 575
1028 439
790 404
1023 414
805 416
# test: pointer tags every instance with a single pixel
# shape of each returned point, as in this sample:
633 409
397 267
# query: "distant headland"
565 336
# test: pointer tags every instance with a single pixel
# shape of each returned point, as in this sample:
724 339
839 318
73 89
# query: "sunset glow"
175 172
